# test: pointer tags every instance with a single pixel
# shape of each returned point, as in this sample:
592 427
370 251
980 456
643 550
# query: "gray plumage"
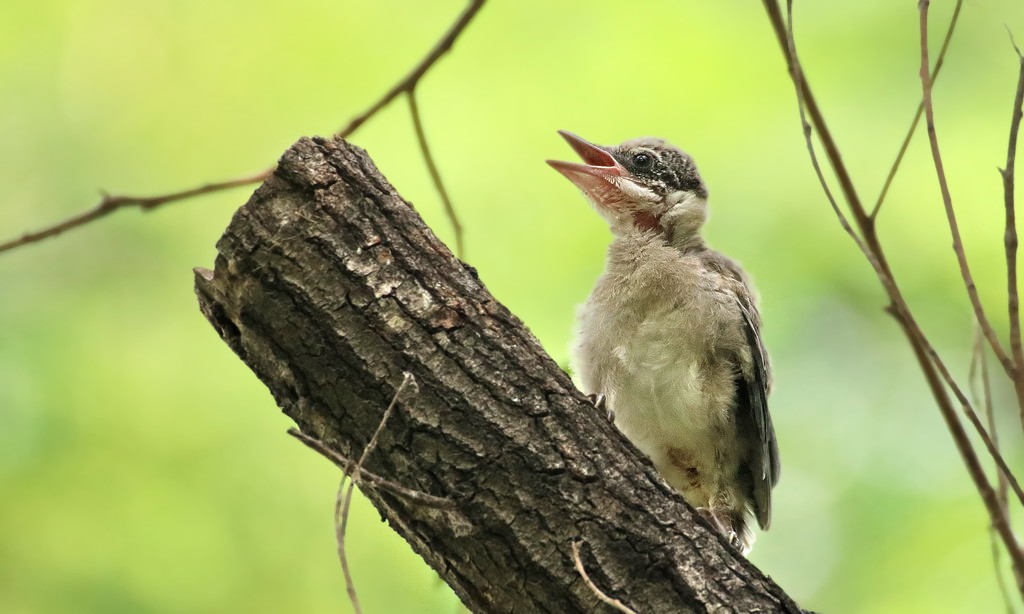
670 335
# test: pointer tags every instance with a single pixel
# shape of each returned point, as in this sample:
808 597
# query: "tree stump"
330 287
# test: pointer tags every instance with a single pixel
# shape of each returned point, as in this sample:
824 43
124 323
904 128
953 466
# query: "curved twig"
342 505
1010 236
341 508
435 175
979 371
371 479
947 202
927 358
796 73
939 61
409 82
109 204
615 603
890 284
986 438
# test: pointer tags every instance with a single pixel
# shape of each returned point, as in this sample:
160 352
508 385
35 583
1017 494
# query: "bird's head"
643 184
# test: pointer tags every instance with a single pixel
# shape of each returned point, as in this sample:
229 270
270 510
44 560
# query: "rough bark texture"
329 286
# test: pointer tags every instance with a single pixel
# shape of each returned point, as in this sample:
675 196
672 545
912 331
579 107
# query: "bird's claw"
599 402
734 540
722 527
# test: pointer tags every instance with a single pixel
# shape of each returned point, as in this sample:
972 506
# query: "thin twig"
887 280
615 603
947 201
341 507
421 136
868 245
1010 236
917 114
110 204
979 370
371 479
1000 519
988 437
1004 591
926 356
972 417
818 121
796 73
407 378
409 82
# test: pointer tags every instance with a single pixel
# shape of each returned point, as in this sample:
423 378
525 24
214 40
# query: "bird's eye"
643 160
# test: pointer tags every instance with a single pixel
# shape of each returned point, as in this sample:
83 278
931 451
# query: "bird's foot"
723 525
599 402
734 540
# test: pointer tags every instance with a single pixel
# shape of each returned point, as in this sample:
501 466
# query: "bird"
669 340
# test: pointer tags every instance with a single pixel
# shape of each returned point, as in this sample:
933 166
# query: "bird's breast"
667 386
654 337
661 374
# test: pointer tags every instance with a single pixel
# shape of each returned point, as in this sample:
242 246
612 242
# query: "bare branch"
947 201
917 114
796 73
887 280
409 82
978 371
1010 237
615 603
341 507
109 204
371 479
1004 591
925 354
407 378
900 308
421 136
972 416
817 120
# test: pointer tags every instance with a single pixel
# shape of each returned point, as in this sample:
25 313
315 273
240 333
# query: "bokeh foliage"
144 469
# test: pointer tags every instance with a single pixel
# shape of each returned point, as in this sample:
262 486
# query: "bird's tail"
744 533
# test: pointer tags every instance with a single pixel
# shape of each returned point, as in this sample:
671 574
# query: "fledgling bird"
669 339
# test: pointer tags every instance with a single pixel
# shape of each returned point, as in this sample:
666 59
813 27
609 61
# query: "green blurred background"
144 469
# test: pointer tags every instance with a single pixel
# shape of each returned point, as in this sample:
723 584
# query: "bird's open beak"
596 175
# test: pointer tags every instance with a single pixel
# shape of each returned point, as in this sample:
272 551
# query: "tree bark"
330 286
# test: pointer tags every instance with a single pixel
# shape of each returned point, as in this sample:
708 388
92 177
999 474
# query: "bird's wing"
753 380
752 406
